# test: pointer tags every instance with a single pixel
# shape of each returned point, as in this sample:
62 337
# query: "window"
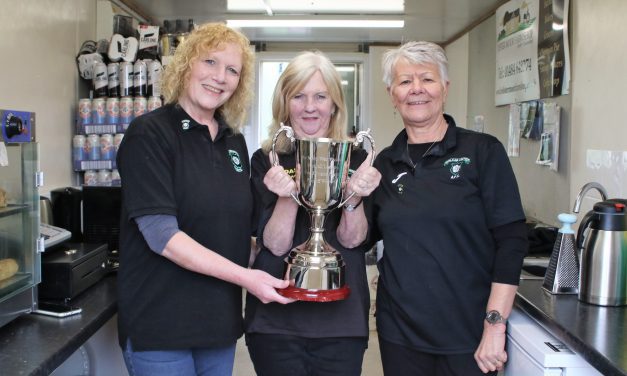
269 68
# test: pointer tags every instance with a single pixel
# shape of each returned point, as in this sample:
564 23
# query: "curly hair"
292 80
209 37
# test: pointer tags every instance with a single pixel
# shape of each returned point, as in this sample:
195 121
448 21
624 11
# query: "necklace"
413 164
439 132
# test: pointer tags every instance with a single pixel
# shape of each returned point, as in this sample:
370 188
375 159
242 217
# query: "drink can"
79 152
104 177
93 147
139 106
84 111
154 78
153 103
117 140
126 110
90 178
140 78
126 77
113 76
113 110
107 151
167 44
115 177
98 111
99 79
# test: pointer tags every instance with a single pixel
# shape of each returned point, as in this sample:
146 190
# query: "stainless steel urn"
602 236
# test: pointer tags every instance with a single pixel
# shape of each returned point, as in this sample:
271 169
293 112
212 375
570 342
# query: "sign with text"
553 50
531 50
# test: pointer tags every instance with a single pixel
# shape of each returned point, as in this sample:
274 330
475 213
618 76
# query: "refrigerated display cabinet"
20 260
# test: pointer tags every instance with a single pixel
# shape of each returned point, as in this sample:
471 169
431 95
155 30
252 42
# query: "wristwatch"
350 208
494 317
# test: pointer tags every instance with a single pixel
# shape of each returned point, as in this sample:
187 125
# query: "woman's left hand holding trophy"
363 181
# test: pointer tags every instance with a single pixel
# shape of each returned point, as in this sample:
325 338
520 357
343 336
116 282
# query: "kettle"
602 237
45 210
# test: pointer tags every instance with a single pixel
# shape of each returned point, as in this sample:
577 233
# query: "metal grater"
562 274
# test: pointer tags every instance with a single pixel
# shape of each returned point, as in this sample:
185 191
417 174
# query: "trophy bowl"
316 270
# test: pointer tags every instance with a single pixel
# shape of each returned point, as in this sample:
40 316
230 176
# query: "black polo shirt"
435 220
342 318
170 165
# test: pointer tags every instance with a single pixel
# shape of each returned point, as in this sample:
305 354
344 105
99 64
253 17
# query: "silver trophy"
316 270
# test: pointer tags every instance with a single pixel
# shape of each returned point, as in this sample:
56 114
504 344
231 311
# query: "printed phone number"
513 69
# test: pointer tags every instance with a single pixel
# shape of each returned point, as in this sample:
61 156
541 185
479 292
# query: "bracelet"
350 208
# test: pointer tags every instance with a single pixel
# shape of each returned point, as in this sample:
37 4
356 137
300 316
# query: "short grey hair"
415 53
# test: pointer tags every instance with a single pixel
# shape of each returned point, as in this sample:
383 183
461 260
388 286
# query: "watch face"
493 317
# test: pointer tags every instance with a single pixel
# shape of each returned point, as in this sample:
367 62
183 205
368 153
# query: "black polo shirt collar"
399 152
188 123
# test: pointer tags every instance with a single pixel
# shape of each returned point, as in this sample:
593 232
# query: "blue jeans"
186 362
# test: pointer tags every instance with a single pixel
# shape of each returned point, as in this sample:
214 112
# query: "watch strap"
350 208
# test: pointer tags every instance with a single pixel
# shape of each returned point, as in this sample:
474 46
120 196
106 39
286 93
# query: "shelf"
13 283
94 165
102 128
12 209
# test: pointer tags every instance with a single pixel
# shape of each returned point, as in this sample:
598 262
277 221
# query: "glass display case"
20 261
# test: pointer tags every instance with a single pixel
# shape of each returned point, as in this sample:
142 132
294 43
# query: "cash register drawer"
71 268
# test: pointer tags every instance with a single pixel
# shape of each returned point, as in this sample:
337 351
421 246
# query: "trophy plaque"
316 270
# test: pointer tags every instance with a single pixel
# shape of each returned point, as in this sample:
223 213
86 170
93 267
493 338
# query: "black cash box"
70 268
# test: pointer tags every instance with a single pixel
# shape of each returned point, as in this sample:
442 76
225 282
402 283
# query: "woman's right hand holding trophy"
278 181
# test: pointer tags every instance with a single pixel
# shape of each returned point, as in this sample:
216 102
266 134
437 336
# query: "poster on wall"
517 78
553 50
531 50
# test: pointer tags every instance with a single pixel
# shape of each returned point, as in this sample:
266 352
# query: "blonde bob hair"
205 38
291 82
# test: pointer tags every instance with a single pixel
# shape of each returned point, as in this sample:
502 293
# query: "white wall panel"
40 39
599 102
457 102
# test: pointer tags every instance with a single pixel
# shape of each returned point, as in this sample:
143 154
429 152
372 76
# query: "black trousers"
278 355
400 360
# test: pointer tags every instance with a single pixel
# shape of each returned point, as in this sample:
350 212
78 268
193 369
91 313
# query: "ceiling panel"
433 20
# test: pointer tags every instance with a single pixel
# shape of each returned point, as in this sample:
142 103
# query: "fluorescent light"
318 6
316 23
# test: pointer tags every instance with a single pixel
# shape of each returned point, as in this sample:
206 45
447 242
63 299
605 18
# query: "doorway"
352 68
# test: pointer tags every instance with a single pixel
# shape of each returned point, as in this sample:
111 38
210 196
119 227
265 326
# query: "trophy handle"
359 138
289 133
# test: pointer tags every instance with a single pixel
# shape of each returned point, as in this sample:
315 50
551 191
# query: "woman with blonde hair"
186 214
307 338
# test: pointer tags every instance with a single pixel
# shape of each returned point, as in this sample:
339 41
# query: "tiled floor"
371 366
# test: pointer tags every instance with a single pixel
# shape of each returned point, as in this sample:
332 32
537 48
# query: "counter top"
598 334
36 345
